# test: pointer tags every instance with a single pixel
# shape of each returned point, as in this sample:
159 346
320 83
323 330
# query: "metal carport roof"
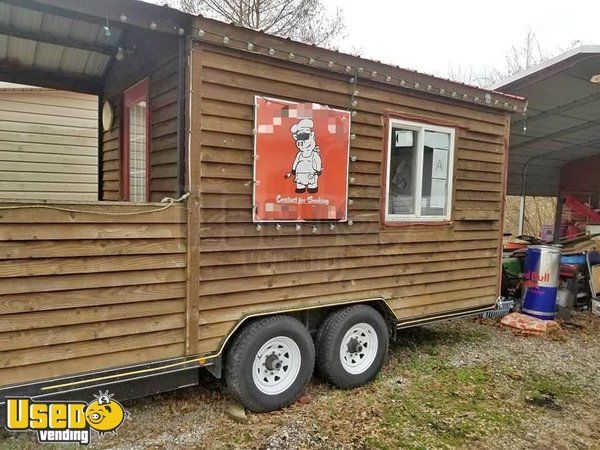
562 123
70 44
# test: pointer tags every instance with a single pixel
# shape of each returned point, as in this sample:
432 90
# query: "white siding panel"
48 146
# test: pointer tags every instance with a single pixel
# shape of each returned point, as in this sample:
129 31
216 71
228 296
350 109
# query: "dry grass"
538 211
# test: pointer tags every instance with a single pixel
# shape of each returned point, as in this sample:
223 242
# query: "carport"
555 146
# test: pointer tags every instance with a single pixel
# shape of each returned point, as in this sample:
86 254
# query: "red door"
135 142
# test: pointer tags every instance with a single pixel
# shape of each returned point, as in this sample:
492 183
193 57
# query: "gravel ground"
460 384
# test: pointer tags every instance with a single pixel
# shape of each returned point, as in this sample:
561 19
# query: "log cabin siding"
87 291
419 269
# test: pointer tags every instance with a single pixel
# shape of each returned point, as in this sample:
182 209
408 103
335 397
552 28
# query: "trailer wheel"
351 346
269 363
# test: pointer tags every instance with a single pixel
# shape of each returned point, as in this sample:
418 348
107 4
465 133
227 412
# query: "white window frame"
421 128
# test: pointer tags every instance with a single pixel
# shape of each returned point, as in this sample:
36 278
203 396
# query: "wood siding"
159 62
420 270
85 291
48 145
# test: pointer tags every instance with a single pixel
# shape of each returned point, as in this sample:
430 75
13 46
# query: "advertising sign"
301 155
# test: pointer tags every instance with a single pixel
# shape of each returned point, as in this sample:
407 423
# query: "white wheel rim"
358 348
276 365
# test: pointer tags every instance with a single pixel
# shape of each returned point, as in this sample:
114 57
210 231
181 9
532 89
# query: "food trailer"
264 206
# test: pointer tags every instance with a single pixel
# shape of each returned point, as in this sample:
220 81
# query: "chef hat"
304 125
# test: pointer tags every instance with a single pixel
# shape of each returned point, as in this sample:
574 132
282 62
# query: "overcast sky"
431 36
434 36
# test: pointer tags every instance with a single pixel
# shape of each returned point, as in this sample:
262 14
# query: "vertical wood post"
193 204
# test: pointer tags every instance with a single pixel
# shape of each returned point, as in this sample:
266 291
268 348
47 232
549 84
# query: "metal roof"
562 123
42 41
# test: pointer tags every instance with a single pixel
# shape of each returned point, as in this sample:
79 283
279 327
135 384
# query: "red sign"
300 162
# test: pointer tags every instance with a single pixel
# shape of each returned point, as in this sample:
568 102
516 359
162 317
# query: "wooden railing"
87 286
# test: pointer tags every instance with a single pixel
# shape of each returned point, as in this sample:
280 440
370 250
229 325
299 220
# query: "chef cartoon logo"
65 421
307 164
298 141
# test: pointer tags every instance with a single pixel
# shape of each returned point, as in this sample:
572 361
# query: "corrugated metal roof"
562 123
19 46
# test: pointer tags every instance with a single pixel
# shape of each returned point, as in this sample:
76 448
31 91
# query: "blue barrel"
540 281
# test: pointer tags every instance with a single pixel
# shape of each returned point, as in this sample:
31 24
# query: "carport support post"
522 215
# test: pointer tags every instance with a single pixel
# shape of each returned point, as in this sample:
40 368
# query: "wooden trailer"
135 295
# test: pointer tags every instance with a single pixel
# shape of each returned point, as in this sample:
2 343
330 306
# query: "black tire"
241 355
329 341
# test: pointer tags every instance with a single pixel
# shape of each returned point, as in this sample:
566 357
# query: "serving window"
418 172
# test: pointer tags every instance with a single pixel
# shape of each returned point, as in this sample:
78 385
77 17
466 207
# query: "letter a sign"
300 162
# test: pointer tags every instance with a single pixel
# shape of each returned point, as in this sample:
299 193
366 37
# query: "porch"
87 285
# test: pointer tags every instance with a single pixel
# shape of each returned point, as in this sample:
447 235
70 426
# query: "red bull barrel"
540 281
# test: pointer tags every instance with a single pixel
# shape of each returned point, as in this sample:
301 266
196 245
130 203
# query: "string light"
353 158
352 136
350 201
278 227
350 222
332 226
315 230
486 96
298 227
258 227
123 18
153 26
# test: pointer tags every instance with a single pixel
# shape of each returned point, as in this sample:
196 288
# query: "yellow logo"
65 422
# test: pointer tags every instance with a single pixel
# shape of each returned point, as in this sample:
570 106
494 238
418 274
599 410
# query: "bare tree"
302 20
520 57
